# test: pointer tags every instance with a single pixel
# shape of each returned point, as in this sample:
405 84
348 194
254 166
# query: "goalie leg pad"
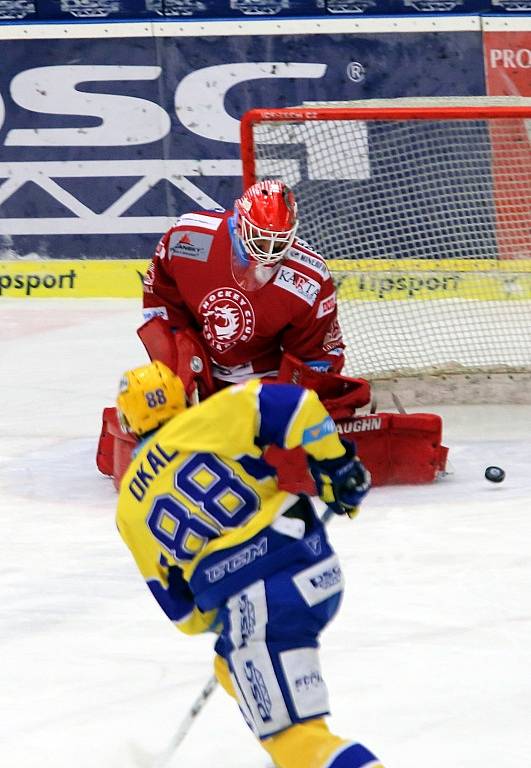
115 447
104 453
398 448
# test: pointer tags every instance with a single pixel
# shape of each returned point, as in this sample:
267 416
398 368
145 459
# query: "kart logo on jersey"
228 317
190 245
259 690
298 284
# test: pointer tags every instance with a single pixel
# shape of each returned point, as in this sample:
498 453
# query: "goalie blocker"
397 448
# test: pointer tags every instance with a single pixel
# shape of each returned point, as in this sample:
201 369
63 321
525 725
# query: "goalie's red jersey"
190 282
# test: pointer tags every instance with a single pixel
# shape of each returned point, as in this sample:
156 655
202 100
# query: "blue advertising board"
103 143
83 10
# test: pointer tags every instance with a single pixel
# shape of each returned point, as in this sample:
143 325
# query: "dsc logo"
125 121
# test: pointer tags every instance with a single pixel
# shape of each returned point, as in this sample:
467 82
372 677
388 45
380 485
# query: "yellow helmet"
148 397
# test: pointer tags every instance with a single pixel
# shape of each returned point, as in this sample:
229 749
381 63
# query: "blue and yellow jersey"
199 488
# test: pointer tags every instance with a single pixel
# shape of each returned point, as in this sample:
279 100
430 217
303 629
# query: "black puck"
495 474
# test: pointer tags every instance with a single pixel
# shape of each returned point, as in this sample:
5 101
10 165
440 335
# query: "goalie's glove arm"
342 483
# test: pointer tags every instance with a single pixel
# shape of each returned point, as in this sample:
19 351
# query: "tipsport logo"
115 128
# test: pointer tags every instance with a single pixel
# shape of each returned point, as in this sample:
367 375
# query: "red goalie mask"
262 230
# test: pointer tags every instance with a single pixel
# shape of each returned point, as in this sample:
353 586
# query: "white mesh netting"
427 226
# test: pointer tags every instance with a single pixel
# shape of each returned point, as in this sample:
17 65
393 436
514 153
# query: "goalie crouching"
222 548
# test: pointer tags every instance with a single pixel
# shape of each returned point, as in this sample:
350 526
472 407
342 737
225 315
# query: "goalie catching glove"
342 483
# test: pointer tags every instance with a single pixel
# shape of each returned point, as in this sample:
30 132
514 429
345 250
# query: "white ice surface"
428 662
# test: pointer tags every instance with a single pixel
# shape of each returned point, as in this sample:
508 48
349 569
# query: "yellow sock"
221 670
305 745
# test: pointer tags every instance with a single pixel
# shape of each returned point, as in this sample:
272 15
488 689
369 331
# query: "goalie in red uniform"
235 295
251 289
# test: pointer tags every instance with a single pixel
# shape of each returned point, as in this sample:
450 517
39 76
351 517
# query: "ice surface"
428 662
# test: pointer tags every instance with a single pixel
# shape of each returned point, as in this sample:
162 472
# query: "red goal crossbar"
312 114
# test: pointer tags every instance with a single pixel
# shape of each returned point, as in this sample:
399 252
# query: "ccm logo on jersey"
297 283
240 559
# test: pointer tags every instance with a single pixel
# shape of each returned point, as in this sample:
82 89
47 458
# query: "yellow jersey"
198 493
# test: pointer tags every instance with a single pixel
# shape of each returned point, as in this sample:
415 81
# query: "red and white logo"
228 317
326 305
333 336
298 284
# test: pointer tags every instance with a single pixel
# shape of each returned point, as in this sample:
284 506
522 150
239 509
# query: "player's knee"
221 670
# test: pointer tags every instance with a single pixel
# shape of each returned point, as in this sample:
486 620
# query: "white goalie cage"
422 208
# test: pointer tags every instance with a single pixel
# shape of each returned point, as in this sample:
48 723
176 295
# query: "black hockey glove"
342 483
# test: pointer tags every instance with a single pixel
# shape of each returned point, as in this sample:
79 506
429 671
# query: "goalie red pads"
397 448
182 352
340 395
115 447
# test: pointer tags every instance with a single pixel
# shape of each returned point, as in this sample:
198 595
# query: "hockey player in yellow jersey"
223 549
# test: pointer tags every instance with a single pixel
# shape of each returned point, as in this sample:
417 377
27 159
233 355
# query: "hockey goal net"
423 209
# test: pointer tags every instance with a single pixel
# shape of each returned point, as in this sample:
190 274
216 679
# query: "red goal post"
422 208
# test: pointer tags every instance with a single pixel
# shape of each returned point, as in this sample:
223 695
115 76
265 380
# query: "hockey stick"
145 759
